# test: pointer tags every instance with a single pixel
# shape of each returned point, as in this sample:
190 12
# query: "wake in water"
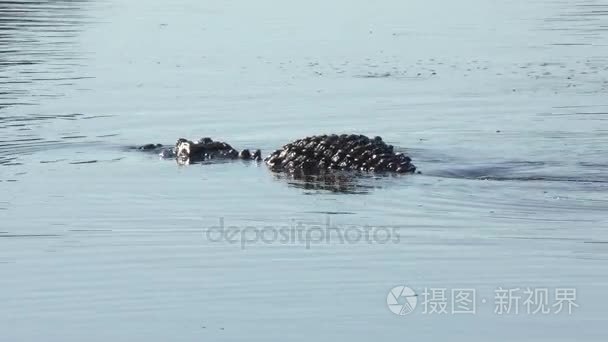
516 170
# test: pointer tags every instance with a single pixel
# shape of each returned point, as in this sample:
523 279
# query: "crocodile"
313 155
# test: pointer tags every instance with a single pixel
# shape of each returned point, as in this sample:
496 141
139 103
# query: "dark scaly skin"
314 155
322 153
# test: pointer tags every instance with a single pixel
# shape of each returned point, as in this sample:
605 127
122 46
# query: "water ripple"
37 32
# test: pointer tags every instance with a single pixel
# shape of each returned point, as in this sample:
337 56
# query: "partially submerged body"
323 153
319 154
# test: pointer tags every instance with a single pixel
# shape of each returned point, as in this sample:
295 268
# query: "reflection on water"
37 45
344 183
340 182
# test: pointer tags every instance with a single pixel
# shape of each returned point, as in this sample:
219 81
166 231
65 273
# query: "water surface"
500 104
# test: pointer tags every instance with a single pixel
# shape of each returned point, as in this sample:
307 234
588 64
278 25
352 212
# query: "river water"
501 105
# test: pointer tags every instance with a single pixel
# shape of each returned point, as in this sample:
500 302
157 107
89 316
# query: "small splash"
330 212
4 235
52 161
375 75
85 162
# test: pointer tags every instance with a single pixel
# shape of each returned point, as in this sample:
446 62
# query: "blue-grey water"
501 104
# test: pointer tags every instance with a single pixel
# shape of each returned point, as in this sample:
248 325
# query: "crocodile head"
187 151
